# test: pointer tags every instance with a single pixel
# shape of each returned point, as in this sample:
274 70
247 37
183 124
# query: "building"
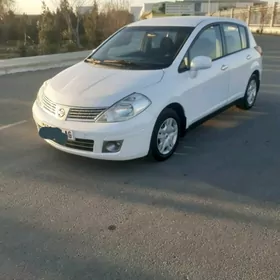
186 7
136 12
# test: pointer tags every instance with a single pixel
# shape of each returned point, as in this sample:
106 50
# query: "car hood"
89 85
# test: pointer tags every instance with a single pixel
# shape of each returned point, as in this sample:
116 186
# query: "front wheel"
249 99
165 136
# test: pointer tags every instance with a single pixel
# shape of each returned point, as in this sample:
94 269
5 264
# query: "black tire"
244 103
154 152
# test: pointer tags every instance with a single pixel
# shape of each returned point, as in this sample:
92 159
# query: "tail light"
259 50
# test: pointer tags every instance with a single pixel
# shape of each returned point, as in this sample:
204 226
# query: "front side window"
208 43
143 47
232 38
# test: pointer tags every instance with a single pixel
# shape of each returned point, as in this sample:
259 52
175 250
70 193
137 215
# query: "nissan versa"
137 93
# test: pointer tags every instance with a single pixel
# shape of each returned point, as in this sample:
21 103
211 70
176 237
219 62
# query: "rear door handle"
248 57
224 67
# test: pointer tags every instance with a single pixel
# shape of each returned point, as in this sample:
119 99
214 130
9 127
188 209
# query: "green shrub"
71 47
21 49
48 49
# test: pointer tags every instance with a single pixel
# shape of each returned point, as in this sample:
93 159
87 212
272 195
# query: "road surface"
211 212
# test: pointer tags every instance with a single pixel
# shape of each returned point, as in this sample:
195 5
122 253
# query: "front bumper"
135 133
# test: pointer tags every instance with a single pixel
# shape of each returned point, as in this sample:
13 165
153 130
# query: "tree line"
68 28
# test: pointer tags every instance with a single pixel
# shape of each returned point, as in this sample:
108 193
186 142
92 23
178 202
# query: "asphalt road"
211 212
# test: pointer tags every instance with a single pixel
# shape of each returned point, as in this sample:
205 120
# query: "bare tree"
115 15
5 5
114 5
263 10
241 14
78 8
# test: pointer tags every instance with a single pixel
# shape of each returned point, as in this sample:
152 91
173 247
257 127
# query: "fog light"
112 146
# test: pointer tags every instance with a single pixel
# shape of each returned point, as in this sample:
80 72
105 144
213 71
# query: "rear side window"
232 38
243 35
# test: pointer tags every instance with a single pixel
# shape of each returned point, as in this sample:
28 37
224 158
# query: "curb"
35 63
35 67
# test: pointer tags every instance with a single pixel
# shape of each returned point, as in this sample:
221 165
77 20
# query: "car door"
208 90
240 58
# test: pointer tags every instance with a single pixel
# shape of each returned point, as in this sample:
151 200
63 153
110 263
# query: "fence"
256 16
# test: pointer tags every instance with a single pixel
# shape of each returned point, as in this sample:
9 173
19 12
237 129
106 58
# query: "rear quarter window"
232 38
243 36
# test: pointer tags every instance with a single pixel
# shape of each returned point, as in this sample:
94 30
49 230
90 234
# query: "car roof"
191 21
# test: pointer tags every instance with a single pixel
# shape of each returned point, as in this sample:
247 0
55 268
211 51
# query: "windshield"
142 47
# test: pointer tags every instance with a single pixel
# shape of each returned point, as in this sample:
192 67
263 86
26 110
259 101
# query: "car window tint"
243 35
208 43
160 35
143 47
134 45
232 38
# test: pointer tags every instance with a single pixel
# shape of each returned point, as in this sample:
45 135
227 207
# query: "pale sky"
34 6
30 6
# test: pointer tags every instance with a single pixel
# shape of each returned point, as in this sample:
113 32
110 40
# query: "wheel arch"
257 73
178 108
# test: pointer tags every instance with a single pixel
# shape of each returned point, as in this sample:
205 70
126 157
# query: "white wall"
179 8
136 11
213 7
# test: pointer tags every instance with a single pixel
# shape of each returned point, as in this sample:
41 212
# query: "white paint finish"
12 125
204 93
87 85
240 72
134 132
199 93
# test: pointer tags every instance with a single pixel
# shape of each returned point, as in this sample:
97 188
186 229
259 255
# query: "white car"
138 92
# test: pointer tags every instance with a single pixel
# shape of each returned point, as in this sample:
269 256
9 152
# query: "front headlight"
125 109
40 93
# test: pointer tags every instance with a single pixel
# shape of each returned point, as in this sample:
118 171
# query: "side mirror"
201 62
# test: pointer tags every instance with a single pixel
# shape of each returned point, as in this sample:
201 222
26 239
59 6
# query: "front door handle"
224 67
248 57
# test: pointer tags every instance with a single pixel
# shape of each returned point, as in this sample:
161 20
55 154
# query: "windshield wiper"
141 63
111 62
92 60
120 62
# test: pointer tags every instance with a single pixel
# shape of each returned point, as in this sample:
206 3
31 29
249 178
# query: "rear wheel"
165 136
249 99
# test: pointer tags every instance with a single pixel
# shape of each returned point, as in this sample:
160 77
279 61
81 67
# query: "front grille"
48 105
85 114
81 144
75 113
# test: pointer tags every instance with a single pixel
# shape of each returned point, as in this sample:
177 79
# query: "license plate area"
69 133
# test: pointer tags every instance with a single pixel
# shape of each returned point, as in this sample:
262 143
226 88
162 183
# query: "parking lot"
211 212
